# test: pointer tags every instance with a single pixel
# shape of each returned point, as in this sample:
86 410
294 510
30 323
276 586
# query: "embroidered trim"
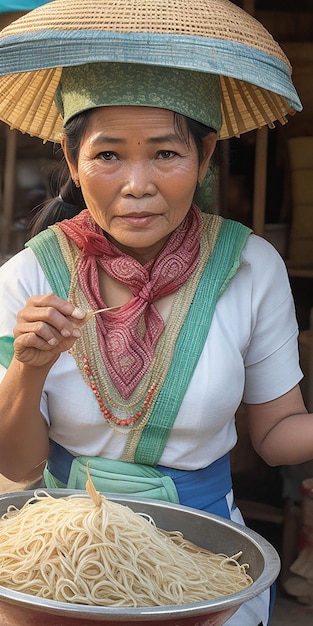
146 445
118 412
128 337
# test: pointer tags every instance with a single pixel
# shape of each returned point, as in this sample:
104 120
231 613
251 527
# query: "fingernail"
65 332
78 313
53 341
76 332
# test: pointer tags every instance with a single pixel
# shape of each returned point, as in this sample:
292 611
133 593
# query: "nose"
139 180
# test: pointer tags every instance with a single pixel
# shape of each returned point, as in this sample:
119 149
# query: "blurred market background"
265 180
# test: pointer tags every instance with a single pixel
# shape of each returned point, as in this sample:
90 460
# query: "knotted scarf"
127 337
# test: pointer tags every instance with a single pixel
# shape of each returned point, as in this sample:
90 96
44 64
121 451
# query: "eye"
107 155
166 154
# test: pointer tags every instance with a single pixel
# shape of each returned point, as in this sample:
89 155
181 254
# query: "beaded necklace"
127 337
131 413
222 242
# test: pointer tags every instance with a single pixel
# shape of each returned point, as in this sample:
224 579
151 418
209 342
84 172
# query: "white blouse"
251 354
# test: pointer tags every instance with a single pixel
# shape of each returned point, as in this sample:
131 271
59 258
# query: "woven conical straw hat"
212 36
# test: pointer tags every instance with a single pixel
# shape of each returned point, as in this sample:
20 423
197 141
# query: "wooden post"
8 189
260 178
260 168
223 178
10 162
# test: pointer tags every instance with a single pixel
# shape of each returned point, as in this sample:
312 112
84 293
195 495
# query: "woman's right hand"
46 327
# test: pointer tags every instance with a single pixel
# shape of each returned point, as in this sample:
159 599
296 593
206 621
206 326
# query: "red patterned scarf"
127 338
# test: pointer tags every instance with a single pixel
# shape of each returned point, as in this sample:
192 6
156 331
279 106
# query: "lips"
138 220
140 214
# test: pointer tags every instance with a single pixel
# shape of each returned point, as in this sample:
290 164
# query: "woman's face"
137 175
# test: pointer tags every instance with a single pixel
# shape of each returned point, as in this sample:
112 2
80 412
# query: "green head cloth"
193 94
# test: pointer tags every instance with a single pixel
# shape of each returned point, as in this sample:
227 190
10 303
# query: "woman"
198 305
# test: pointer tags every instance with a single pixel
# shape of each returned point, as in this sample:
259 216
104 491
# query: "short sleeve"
20 278
272 357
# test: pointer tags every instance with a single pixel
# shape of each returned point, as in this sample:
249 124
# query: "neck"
141 255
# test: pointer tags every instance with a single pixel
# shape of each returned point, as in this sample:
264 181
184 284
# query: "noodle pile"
97 552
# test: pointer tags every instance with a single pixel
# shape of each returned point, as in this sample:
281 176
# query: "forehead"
131 118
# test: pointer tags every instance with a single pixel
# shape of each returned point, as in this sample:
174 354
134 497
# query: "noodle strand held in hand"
97 552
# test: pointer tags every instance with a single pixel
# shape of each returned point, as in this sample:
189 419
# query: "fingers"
46 304
42 335
49 318
46 326
32 349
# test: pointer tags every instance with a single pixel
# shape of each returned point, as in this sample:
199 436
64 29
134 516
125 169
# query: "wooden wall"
294 32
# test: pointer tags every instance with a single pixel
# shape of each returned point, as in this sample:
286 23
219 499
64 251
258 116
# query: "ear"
209 143
69 159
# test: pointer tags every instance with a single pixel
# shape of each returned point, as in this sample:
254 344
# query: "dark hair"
67 200
196 130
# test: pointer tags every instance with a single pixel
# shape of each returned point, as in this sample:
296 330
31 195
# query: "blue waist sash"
203 489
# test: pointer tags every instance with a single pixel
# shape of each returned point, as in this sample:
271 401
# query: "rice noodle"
95 551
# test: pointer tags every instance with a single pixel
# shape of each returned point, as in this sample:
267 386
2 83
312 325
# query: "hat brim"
255 75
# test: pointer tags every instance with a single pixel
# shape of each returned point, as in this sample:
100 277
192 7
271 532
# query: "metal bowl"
206 530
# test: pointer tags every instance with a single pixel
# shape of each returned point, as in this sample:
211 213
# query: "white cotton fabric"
251 353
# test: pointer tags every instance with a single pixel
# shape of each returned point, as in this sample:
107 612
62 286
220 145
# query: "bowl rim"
270 572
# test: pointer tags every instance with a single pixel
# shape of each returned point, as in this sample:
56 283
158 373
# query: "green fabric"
193 94
217 274
219 270
47 250
119 477
204 196
114 476
6 350
52 482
